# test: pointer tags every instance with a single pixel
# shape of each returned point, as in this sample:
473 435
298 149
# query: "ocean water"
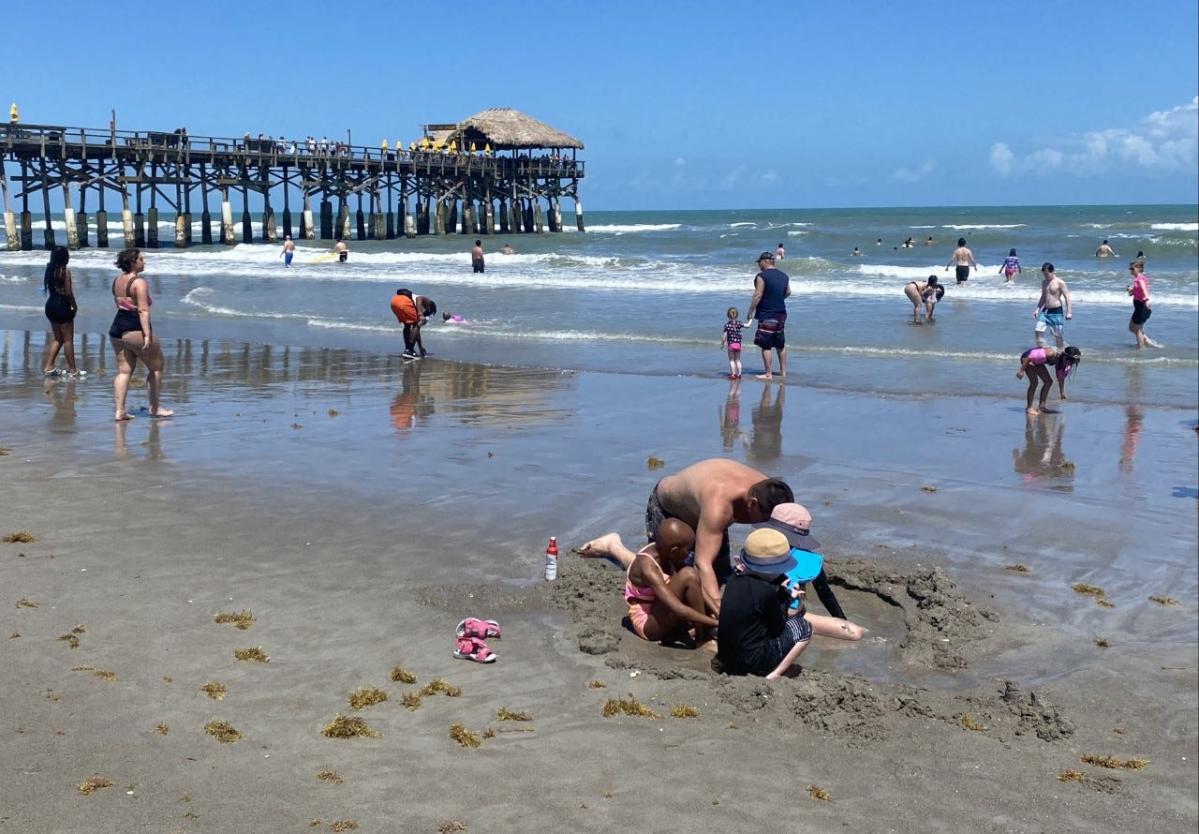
646 293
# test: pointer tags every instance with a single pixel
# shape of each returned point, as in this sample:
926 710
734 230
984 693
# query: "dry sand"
958 713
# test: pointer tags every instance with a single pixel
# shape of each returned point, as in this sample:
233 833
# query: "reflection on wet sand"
730 417
152 445
1042 461
1134 416
409 403
62 396
766 444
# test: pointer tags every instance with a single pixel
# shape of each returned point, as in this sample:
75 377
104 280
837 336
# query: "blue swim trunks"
1052 320
287 256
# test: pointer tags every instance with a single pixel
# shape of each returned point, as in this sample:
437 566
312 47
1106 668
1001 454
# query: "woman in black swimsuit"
60 310
132 335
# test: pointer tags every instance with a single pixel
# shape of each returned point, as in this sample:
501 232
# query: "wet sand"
359 508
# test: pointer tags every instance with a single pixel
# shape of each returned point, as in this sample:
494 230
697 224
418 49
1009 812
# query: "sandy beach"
359 507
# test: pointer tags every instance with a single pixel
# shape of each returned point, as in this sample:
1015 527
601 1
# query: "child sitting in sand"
1033 362
663 594
760 634
731 339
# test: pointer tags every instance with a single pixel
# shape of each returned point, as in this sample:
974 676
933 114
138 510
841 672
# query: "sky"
681 105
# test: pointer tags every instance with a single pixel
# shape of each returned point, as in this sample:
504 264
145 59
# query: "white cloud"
1165 141
733 177
770 177
905 174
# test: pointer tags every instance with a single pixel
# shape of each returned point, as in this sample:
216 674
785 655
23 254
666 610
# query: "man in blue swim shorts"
771 288
1053 308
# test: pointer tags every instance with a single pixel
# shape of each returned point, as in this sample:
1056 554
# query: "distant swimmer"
856 253
1033 362
962 258
449 318
779 252
1140 255
929 241
507 249
1105 251
909 243
924 294
1011 266
1053 307
342 250
289 250
476 256
878 241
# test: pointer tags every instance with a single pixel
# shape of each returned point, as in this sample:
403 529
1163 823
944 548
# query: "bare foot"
162 412
599 548
120 418
1032 412
766 377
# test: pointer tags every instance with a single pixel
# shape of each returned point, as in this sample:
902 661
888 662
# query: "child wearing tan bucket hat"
759 634
756 635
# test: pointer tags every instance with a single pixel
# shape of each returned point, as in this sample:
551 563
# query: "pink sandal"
482 629
472 648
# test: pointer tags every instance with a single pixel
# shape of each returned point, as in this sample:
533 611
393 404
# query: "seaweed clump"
26 603
20 537
222 731
71 640
343 727
215 691
343 825
1088 590
1112 763
161 729
505 714
411 700
439 687
652 463
1069 775
330 776
366 696
627 706
970 724
242 619
401 675
818 793
451 825
1163 600
1017 568
464 736
254 653
94 783
596 684
684 711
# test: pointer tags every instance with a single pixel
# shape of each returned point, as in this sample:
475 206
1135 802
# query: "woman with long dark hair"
132 335
60 310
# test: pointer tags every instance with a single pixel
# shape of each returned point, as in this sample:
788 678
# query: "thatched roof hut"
507 129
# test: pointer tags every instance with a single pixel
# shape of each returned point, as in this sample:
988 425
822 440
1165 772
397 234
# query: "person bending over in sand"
709 497
760 633
663 593
924 294
1033 362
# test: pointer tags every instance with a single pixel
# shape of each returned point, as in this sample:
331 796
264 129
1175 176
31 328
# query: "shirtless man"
962 258
1054 301
507 249
342 251
476 256
1105 250
289 250
709 497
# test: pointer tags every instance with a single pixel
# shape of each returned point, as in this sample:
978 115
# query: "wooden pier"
498 171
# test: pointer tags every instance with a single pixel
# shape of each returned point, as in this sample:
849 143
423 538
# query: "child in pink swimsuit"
663 594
